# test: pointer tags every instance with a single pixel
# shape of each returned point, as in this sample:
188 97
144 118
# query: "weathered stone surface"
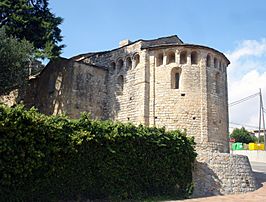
162 83
222 173
10 98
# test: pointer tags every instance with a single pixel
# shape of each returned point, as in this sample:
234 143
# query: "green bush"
51 158
242 135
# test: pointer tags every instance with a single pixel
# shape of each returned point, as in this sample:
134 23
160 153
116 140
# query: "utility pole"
259 117
263 120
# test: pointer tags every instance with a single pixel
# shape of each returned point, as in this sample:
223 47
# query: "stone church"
162 82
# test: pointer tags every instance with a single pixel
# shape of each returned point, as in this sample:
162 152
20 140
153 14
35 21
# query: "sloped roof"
168 40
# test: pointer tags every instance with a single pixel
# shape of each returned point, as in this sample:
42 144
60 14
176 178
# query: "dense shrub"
47 158
242 135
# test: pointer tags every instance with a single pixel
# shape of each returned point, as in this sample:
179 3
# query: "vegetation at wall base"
51 158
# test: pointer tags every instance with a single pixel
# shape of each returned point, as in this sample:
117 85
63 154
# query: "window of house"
159 59
120 64
170 57
175 78
194 58
183 57
120 85
129 63
208 61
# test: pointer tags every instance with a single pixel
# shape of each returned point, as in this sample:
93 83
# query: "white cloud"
246 74
248 48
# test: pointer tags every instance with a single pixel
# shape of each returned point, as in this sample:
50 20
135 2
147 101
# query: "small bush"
51 158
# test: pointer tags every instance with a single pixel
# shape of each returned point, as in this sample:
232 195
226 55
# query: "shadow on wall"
120 84
49 92
71 87
206 182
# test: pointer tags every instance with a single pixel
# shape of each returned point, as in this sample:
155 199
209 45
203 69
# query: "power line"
246 125
243 100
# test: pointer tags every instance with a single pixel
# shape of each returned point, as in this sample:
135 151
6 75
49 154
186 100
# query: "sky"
235 27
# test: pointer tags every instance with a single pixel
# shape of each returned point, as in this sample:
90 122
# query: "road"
260 172
258 167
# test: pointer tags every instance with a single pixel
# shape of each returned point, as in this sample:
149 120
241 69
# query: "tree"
261 139
14 62
32 20
242 135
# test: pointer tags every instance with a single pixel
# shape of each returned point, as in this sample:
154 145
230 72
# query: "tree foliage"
53 158
242 135
260 139
32 20
14 62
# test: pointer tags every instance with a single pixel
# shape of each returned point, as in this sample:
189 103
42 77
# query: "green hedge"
51 158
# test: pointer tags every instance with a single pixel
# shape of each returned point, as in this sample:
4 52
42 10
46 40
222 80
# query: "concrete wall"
256 155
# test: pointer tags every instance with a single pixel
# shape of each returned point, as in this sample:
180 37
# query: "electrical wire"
246 125
243 100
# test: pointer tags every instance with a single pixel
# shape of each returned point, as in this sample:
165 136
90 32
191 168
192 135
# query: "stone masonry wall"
195 106
175 108
148 97
125 102
69 87
222 173
10 99
217 103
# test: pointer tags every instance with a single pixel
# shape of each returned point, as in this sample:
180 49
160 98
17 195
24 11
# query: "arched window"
159 59
183 57
136 60
194 58
208 61
129 63
175 78
120 85
112 65
215 61
217 83
170 57
120 64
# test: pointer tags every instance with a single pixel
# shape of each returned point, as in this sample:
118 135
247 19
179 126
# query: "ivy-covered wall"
51 158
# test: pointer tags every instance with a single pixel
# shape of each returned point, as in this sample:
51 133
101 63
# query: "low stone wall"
222 173
256 155
10 98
